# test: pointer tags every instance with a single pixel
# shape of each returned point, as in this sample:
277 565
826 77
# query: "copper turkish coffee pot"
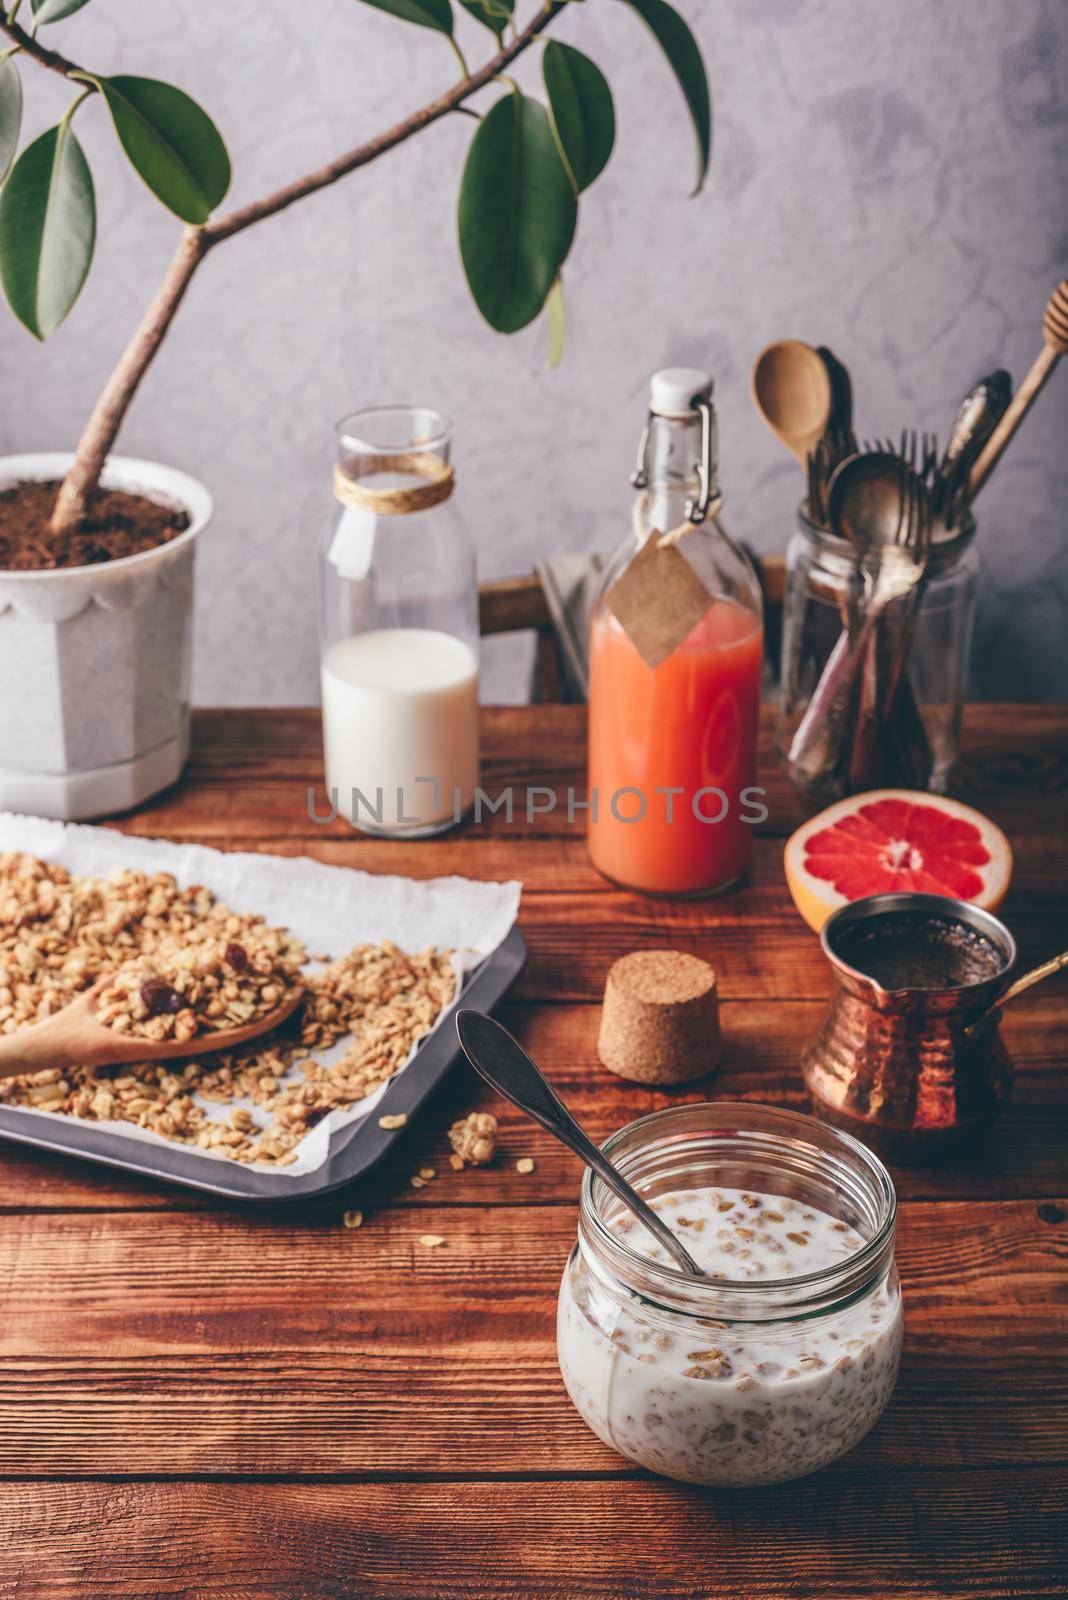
914 1071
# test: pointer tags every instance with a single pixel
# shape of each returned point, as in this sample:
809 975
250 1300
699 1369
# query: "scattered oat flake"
431 1240
416 1181
353 1219
427 1173
524 1164
456 1163
391 1123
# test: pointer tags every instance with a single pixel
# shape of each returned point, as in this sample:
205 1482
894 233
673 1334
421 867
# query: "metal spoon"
883 507
864 499
980 412
506 1067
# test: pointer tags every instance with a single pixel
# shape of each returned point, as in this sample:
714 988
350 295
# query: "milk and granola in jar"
785 1353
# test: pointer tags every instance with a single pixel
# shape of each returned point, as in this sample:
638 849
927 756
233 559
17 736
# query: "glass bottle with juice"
672 746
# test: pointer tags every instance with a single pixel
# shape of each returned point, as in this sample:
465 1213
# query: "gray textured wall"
887 179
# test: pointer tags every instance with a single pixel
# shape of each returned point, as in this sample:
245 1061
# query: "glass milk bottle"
398 629
673 744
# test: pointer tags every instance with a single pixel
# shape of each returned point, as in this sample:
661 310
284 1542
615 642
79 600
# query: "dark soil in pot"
118 524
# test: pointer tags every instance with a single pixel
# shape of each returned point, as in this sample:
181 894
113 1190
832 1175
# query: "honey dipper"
1055 345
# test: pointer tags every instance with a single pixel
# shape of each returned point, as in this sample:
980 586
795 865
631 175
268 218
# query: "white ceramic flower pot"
95 661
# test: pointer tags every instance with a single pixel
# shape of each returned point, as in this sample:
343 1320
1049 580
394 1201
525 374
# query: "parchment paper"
329 908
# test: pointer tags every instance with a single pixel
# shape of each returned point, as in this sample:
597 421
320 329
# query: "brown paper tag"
658 600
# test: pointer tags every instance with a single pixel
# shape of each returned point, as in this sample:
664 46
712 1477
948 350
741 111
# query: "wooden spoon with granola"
158 1008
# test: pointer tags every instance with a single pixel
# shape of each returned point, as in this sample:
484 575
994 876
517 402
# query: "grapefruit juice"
688 729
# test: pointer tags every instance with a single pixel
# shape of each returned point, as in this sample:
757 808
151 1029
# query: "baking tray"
353 1149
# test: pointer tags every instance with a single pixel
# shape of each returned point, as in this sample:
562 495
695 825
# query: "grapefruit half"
894 840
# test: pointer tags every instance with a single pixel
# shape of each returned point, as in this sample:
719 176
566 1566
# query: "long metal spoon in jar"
980 412
878 503
506 1067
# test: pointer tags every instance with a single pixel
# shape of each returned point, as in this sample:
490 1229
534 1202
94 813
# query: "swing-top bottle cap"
673 390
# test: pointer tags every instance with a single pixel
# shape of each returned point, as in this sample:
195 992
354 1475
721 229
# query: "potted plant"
97 550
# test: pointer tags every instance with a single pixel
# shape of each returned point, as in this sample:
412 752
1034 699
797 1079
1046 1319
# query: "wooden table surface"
205 1401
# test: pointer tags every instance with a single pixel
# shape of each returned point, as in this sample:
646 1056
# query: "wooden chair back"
517 605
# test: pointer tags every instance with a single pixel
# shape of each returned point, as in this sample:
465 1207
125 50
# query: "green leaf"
172 143
675 38
517 213
435 14
10 113
494 14
581 109
54 10
47 229
556 311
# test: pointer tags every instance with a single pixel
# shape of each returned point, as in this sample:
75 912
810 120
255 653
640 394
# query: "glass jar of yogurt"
785 1354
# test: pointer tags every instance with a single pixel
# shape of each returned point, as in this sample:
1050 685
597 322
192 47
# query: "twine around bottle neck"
641 506
436 485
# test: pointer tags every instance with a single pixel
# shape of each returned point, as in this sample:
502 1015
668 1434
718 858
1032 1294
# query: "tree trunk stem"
110 409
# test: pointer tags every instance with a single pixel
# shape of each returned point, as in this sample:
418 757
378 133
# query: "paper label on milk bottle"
658 600
353 544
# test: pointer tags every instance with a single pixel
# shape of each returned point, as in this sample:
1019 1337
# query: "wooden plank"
514 605
752 937
146 1345
907 1536
249 775
954 1536
890 1538
551 865
1023 1157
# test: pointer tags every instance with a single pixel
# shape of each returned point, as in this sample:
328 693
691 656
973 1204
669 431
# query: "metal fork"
916 532
831 449
920 452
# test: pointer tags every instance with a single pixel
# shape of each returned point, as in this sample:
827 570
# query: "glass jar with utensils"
399 629
880 599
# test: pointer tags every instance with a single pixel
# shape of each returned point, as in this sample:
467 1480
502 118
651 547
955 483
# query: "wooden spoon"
1055 345
74 1038
791 389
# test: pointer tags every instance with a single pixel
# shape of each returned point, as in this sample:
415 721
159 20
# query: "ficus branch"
34 49
224 227
110 409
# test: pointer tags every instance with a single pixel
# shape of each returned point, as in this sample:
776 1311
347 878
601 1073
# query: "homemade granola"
474 1139
60 933
202 986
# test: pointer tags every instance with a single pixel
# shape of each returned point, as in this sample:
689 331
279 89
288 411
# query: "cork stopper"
660 1022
